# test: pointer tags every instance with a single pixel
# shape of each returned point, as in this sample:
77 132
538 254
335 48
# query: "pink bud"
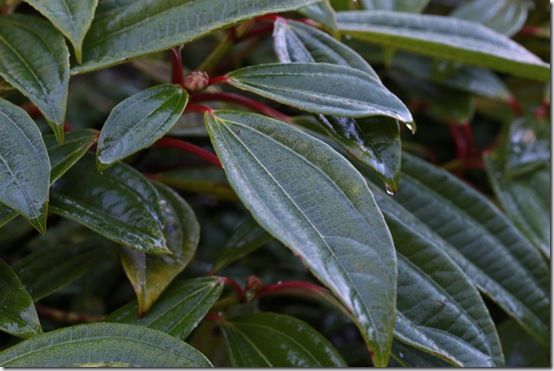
196 81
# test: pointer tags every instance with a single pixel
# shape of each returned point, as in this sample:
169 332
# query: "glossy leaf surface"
139 121
321 12
412 6
151 274
439 309
120 204
297 42
504 16
276 340
444 37
35 61
178 310
18 316
103 345
355 258
123 30
321 88
24 166
72 17
51 268
485 244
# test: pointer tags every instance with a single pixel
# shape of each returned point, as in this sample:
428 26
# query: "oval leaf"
151 274
51 268
504 16
139 121
24 165
354 258
444 37
72 17
178 310
103 345
18 316
122 31
121 204
412 6
276 340
321 88
490 250
35 60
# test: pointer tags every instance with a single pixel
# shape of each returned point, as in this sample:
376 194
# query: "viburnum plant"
241 183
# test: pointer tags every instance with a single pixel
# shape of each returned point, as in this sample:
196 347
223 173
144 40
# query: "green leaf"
321 12
374 142
35 60
444 37
64 156
120 204
354 258
24 166
18 316
246 238
207 180
321 88
504 16
51 268
277 340
179 309
139 121
151 274
525 198
72 17
296 42
412 6
439 309
520 349
412 357
103 345
474 80
485 244
124 30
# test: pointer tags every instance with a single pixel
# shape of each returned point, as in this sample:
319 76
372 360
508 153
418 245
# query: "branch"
189 148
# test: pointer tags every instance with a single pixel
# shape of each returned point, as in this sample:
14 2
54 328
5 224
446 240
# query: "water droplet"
389 188
411 126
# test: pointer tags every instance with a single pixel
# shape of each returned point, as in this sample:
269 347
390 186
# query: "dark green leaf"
64 156
72 17
322 88
439 310
126 30
504 16
444 37
485 244
180 308
354 258
411 357
139 121
51 268
208 180
35 60
526 199
276 340
24 166
412 6
151 274
296 42
17 311
121 204
321 12
374 142
103 345
520 349
246 238
473 80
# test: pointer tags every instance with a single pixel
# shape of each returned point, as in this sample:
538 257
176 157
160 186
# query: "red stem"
269 18
235 286
243 101
189 148
218 80
515 106
459 140
67 126
290 285
258 31
199 108
32 110
177 74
